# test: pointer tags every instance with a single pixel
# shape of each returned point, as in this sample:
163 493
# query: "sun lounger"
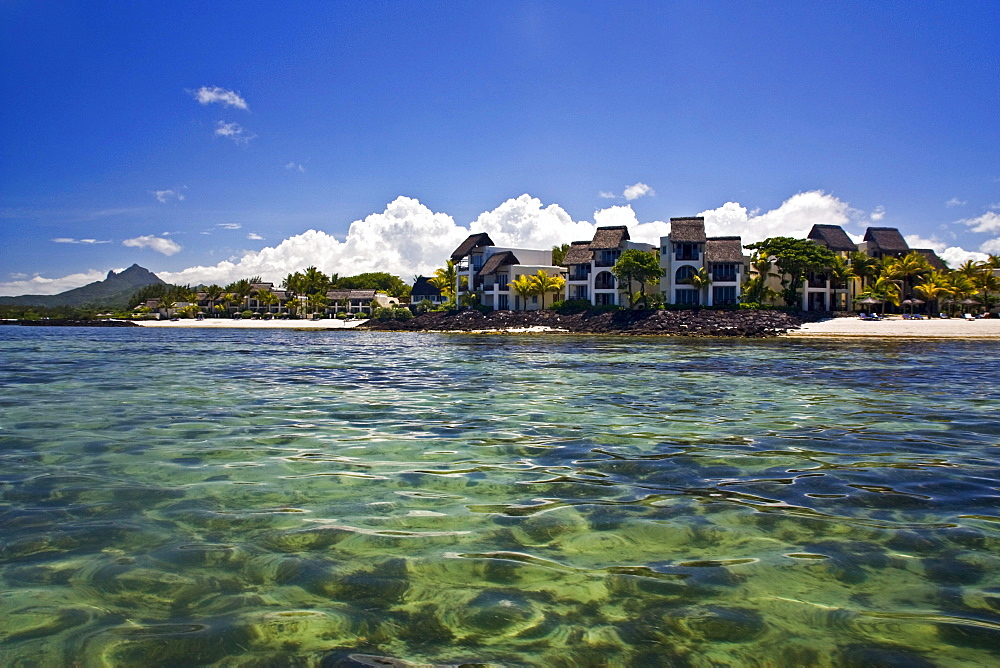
967 316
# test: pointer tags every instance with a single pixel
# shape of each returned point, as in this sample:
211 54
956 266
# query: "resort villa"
589 265
488 270
686 252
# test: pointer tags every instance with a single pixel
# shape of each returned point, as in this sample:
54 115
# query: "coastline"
895 327
228 323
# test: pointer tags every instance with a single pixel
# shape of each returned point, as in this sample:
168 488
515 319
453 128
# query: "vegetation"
637 266
559 254
795 257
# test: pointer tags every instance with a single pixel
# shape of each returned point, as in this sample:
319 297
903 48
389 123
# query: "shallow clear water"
299 498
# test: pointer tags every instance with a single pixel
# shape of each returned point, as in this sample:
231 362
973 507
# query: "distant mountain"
113 292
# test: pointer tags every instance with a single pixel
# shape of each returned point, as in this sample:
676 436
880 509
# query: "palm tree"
524 286
700 280
866 268
212 294
932 287
883 289
755 289
316 301
446 280
267 298
841 275
907 268
545 283
241 289
315 281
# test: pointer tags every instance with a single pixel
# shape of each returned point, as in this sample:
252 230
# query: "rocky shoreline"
690 322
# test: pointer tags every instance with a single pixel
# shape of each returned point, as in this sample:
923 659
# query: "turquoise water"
249 498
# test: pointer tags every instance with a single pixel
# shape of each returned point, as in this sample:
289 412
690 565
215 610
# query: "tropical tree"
314 281
639 266
932 287
212 294
700 280
559 254
865 267
524 286
266 297
545 283
316 302
445 279
241 289
884 289
755 288
794 258
907 269
842 274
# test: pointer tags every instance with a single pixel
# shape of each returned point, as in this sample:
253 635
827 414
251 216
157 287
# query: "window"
686 296
724 295
725 272
579 292
502 302
686 251
604 281
605 299
502 281
684 274
534 299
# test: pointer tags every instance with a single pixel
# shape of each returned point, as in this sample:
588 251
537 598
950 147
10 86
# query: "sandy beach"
891 327
896 327
227 323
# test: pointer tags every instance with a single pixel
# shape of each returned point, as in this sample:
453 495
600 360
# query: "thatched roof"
340 295
608 238
422 287
833 237
497 260
932 258
886 239
724 249
474 241
578 253
687 230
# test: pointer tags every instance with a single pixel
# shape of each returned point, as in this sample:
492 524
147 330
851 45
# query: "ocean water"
251 498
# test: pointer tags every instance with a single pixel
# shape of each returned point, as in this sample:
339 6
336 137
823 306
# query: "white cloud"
956 256
994 206
228 98
230 226
68 240
992 246
649 233
233 131
17 275
158 244
988 222
523 222
39 285
604 194
878 214
295 167
954 201
794 218
916 241
637 190
164 196
253 236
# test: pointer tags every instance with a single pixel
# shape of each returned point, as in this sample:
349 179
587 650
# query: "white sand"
896 327
228 323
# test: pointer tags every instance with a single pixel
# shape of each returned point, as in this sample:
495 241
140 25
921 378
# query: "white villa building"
686 250
590 264
488 270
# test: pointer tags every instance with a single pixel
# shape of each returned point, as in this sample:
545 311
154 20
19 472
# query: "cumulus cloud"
952 255
164 196
68 240
295 167
992 246
523 222
954 201
794 218
637 190
215 94
253 236
234 131
878 214
158 244
39 285
649 233
988 222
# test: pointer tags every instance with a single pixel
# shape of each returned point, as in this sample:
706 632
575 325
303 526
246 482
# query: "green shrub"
383 313
571 306
401 313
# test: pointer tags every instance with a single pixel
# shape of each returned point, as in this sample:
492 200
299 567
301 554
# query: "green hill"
113 292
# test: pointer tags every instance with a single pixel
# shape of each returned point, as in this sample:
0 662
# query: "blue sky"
209 141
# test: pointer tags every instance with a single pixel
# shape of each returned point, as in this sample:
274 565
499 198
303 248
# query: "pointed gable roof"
689 230
422 287
474 241
886 239
608 238
578 253
833 237
497 260
724 249
932 258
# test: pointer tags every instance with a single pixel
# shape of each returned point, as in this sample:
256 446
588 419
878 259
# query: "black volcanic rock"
688 322
113 292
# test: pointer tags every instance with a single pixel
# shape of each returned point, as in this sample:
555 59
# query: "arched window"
684 274
604 281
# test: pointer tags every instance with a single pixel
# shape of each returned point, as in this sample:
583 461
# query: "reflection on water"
307 498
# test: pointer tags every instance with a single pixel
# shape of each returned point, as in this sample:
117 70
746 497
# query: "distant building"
487 270
686 251
423 289
589 266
